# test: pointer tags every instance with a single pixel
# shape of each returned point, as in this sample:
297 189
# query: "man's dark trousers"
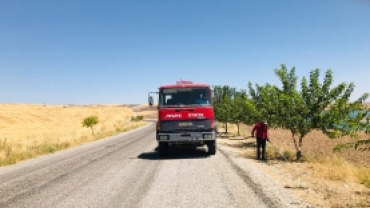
261 143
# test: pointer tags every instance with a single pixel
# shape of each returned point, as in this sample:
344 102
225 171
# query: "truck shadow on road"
176 154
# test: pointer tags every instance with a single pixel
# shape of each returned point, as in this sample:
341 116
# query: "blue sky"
115 51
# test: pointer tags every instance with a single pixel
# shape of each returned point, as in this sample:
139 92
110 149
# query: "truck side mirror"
150 100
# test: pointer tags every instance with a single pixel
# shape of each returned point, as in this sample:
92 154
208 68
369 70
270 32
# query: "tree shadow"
243 145
250 145
176 153
233 137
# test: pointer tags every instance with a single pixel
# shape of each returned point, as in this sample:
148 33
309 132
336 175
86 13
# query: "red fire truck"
185 116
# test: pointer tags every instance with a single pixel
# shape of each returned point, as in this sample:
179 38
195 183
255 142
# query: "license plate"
185 124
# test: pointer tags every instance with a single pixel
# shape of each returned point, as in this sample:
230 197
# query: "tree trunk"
299 151
226 127
237 123
295 142
92 131
296 146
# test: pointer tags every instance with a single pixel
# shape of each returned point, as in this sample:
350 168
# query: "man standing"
261 130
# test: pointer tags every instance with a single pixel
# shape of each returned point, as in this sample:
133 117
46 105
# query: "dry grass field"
146 111
326 179
27 131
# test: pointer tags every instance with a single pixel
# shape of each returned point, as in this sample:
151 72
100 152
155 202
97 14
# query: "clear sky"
116 51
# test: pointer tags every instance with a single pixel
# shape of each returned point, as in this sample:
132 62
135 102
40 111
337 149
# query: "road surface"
125 171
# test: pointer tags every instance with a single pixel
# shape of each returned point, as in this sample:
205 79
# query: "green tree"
223 107
356 121
238 108
264 104
90 121
302 111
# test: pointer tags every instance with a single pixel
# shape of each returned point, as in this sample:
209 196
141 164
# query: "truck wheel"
163 148
212 147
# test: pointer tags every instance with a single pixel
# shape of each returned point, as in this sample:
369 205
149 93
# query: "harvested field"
30 130
146 111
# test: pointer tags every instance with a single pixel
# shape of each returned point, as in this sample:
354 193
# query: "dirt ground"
302 179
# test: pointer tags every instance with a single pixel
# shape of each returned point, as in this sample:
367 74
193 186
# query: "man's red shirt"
261 130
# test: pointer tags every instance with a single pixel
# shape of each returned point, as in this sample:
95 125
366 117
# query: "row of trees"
300 109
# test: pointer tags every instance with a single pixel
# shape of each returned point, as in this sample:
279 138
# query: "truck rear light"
158 126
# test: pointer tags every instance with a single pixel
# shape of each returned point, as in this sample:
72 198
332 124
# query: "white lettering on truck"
173 116
195 115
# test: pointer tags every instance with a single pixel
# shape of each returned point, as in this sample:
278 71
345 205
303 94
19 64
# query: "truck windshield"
184 96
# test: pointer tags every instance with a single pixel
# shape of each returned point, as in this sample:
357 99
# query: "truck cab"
185 116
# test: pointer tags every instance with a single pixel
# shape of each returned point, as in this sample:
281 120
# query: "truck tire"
163 148
212 147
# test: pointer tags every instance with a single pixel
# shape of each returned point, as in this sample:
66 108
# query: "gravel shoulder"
267 187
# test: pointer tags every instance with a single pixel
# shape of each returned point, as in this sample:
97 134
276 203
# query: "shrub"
90 121
137 118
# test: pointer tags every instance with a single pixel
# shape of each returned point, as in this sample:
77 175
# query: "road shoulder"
264 184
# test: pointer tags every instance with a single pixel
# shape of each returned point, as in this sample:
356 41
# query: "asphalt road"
125 171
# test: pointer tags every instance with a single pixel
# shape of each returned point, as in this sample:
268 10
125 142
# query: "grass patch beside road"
27 131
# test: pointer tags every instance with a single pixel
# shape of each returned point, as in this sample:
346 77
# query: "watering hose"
277 149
